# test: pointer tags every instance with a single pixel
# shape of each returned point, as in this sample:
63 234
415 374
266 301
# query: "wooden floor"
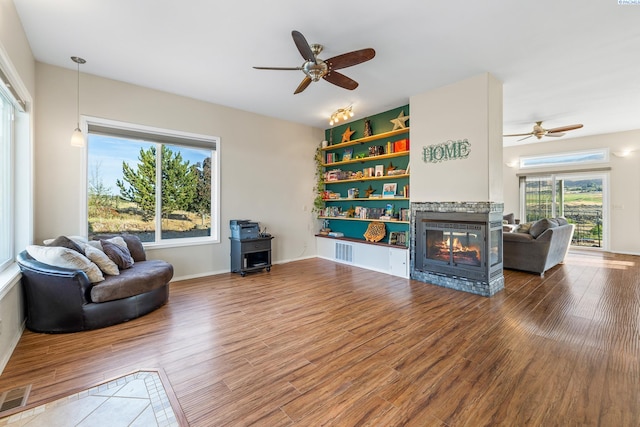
317 343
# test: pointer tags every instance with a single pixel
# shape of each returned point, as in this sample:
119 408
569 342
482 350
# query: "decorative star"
391 167
369 191
399 122
346 136
351 212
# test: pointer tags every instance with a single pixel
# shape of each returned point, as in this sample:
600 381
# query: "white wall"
13 41
624 181
471 110
266 164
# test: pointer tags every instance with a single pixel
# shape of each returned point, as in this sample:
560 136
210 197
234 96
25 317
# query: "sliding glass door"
577 197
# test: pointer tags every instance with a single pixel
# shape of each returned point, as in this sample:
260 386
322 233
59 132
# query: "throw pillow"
65 242
524 227
101 260
510 218
562 221
78 239
541 226
96 244
118 241
118 254
58 256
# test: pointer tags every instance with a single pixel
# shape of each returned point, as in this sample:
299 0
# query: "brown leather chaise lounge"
64 300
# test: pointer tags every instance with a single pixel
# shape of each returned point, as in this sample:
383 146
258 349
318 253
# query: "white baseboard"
213 273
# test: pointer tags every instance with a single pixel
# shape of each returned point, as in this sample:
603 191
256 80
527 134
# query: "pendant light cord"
78 97
78 61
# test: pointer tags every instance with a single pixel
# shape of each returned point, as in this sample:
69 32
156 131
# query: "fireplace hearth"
458 245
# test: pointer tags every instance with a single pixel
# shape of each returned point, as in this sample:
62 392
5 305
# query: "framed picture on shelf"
398 238
348 154
389 189
379 170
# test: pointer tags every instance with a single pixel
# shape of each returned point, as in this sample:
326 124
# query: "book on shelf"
401 145
332 157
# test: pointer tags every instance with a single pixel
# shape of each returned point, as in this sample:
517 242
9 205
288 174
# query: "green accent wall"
380 123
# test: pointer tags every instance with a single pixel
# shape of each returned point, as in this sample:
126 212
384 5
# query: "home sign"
450 150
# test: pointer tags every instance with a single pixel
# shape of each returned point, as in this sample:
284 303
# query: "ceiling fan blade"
555 134
278 68
351 58
519 134
303 85
341 80
564 128
522 139
303 46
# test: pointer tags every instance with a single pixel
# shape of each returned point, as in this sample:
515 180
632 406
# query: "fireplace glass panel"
466 248
437 246
495 254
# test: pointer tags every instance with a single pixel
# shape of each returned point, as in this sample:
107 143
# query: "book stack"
332 157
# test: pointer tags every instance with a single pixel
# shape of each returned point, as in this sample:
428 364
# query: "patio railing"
588 223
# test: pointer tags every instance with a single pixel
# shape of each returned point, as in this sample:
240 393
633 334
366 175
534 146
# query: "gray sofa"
538 246
65 300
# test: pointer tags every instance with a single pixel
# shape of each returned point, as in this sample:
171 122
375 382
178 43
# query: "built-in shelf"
367 159
350 239
342 218
366 199
366 139
368 178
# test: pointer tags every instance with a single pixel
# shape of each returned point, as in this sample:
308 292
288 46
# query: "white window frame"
214 238
21 173
7 220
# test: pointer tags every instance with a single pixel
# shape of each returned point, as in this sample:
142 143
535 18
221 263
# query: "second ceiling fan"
315 68
538 131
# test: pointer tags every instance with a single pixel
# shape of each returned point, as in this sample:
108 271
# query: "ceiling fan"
315 68
539 131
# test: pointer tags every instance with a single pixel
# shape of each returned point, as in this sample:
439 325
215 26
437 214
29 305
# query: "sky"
107 153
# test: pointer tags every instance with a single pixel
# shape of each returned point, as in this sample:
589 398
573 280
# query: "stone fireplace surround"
489 212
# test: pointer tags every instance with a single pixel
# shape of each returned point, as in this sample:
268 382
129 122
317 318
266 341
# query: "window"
159 184
574 158
6 181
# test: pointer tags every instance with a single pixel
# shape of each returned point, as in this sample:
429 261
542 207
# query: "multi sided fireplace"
458 245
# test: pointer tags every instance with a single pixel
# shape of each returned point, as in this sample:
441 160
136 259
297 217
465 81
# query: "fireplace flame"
464 254
459 247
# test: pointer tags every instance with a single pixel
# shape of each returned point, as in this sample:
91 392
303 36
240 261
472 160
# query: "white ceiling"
561 61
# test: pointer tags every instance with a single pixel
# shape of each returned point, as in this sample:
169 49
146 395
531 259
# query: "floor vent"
14 398
344 252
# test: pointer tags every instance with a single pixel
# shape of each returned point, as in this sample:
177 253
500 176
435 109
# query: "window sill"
8 279
179 243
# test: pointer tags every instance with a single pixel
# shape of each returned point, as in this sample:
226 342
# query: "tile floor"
134 400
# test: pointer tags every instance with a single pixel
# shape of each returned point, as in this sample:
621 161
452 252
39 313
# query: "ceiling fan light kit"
538 131
315 68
